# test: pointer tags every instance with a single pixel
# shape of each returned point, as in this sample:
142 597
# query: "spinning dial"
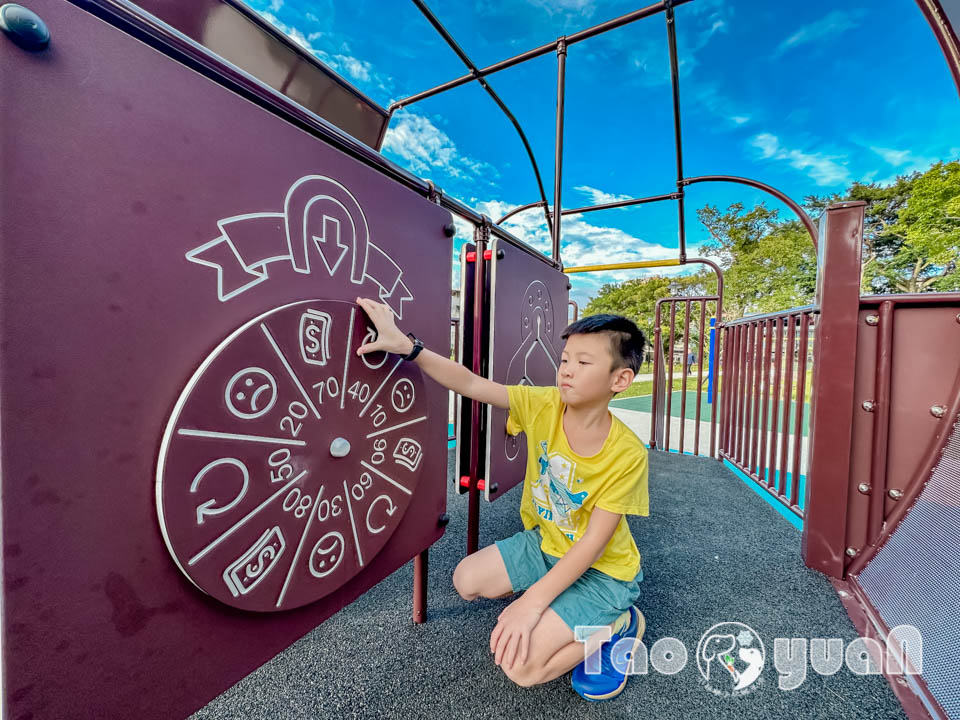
288 460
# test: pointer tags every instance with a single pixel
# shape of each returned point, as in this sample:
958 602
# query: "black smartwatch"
417 347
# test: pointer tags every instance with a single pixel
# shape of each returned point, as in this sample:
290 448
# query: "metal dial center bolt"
340 447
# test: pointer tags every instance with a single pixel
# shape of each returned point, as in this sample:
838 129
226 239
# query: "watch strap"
417 347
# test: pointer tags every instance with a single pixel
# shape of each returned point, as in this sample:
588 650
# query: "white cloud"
599 197
739 119
427 150
340 61
833 23
275 5
904 158
585 8
824 169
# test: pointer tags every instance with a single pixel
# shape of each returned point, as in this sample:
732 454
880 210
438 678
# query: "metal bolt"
449 229
864 488
843 593
443 520
868 405
851 552
895 493
340 447
958 317
24 27
873 319
938 411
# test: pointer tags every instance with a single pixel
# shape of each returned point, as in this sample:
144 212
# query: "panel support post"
481 238
420 587
823 543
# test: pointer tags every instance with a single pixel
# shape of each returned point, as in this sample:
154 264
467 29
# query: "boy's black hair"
626 339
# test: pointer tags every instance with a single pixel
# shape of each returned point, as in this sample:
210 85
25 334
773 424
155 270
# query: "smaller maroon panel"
528 309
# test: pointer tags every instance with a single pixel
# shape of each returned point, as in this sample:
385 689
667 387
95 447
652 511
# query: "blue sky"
805 96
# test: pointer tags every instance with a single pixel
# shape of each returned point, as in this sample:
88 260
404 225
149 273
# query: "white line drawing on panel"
368 338
210 506
408 453
234 436
248 570
353 523
396 427
245 519
390 480
346 357
296 555
391 509
243 390
293 375
536 329
326 552
318 212
402 396
314 336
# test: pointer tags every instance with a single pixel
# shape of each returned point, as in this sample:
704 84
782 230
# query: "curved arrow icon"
210 506
390 511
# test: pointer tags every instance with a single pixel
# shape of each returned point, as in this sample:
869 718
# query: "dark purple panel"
153 225
529 311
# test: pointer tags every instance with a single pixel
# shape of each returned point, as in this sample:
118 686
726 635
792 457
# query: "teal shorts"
594 598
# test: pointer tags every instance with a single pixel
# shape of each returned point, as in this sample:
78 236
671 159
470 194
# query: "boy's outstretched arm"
510 639
446 372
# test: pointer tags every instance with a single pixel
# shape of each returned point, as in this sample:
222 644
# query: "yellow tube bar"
622 266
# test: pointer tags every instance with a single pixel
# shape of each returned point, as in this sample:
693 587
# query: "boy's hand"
389 338
510 639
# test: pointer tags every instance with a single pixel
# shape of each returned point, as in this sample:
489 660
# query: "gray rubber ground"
713 552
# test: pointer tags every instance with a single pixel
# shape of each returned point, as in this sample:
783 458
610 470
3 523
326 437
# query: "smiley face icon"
326 554
251 393
402 395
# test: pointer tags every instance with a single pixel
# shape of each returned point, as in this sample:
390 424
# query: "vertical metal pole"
718 361
798 421
826 506
686 371
703 339
743 387
420 587
657 360
482 234
775 413
558 159
675 83
765 420
759 370
669 389
787 394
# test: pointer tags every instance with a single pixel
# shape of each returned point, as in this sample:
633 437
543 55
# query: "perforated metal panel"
915 577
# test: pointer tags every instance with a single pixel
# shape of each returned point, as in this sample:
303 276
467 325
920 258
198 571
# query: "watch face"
289 460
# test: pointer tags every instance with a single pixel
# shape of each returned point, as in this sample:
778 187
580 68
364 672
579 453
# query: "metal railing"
763 413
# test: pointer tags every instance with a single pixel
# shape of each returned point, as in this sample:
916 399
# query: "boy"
576 562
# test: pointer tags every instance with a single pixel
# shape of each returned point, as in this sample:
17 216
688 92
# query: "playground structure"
209 327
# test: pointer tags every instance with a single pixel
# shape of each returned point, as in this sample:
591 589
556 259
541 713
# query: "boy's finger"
494 636
524 647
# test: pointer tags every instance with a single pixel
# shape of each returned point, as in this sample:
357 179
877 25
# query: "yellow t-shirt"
561 488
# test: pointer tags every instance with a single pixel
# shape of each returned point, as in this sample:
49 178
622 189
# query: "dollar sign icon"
315 337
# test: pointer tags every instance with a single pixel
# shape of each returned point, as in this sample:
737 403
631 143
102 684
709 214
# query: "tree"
909 234
768 264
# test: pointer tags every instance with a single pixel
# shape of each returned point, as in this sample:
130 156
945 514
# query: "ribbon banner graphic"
317 212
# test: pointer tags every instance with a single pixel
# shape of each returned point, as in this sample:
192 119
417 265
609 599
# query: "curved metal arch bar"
592 208
804 218
475 71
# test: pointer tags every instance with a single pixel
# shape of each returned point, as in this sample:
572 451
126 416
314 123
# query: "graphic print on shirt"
552 492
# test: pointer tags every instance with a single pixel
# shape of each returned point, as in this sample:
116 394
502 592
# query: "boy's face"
585 373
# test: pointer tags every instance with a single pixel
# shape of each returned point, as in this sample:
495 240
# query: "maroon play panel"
529 313
196 467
